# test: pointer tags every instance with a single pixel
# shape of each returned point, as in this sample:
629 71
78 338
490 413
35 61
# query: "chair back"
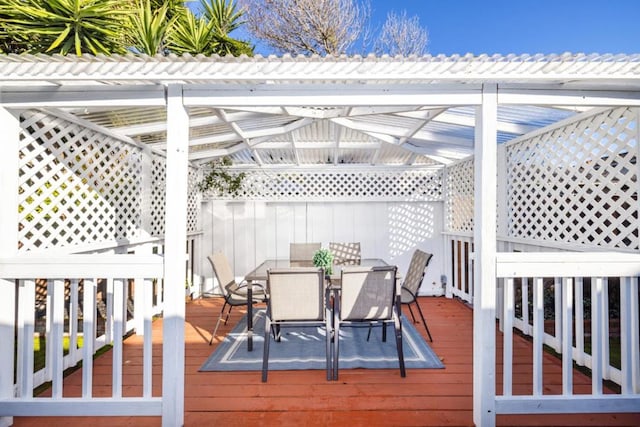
368 293
345 253
223 273
296 294
303 251
415 274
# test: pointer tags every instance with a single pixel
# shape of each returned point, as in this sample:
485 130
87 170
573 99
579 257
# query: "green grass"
40 349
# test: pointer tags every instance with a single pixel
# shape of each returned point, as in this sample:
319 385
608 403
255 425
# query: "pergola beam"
355 95
82 96
568 97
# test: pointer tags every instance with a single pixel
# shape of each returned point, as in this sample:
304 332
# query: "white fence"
119 272
461 284
252 231
568 271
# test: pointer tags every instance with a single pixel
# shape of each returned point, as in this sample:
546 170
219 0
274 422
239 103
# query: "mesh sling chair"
368 296
297 297
303 252
234 294
412 282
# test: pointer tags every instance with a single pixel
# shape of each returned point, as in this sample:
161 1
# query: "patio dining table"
259 274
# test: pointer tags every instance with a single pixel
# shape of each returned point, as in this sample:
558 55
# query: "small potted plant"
323 258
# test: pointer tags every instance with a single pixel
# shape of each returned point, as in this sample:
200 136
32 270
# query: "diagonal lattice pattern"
78 186
158 173
459 197
419 185
578 183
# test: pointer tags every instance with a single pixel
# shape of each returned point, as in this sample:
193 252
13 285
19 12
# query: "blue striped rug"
304 348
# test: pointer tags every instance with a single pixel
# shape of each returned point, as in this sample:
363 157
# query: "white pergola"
307 113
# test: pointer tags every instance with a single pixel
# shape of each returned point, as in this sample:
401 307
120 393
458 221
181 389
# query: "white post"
174 265
567 336
9 165
484 233
538 334
139 309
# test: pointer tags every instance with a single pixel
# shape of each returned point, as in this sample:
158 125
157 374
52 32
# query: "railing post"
567 336
448 267
596 335
89 335
9 165
484 301
175 238
26 316
558 314
579 309
139 294
538 334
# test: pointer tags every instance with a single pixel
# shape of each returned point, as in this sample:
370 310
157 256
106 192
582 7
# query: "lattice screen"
193 201
579 183
459 197
159 174
78 186
327 185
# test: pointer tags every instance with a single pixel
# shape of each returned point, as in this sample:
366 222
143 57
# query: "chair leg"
265 351
215 330
424 322
412 316
336 348
398 332
329 367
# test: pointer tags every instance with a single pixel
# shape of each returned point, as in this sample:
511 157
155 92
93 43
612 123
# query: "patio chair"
345 253
303 252
368 297
234 294
412 282
297 297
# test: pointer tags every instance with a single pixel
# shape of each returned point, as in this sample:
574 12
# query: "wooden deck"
360 398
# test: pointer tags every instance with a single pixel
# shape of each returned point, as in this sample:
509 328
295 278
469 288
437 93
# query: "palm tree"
224 15
117 26
205 34
66 26
149 28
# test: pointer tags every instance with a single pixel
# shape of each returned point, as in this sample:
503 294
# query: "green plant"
220 180
323 258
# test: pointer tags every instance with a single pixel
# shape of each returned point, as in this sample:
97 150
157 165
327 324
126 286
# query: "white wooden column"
484 234
174 259
9 149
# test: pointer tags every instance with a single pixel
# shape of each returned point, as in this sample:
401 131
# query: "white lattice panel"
158 190
77 186
579 183
327 185
459 197
193 201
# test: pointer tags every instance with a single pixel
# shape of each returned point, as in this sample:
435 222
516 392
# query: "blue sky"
518 26
523 26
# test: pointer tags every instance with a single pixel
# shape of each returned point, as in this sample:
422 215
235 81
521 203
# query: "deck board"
426 397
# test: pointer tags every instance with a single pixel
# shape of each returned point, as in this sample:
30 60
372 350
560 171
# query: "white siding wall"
250 232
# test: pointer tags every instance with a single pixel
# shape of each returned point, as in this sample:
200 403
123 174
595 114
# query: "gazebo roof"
280 131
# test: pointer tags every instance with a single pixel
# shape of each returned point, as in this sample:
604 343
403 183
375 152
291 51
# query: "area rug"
304 348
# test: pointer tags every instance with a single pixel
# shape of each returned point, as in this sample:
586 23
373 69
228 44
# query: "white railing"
459 265
568 270
459 271
119 272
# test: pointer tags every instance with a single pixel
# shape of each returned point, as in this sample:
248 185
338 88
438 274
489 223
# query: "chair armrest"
257 289
402 288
